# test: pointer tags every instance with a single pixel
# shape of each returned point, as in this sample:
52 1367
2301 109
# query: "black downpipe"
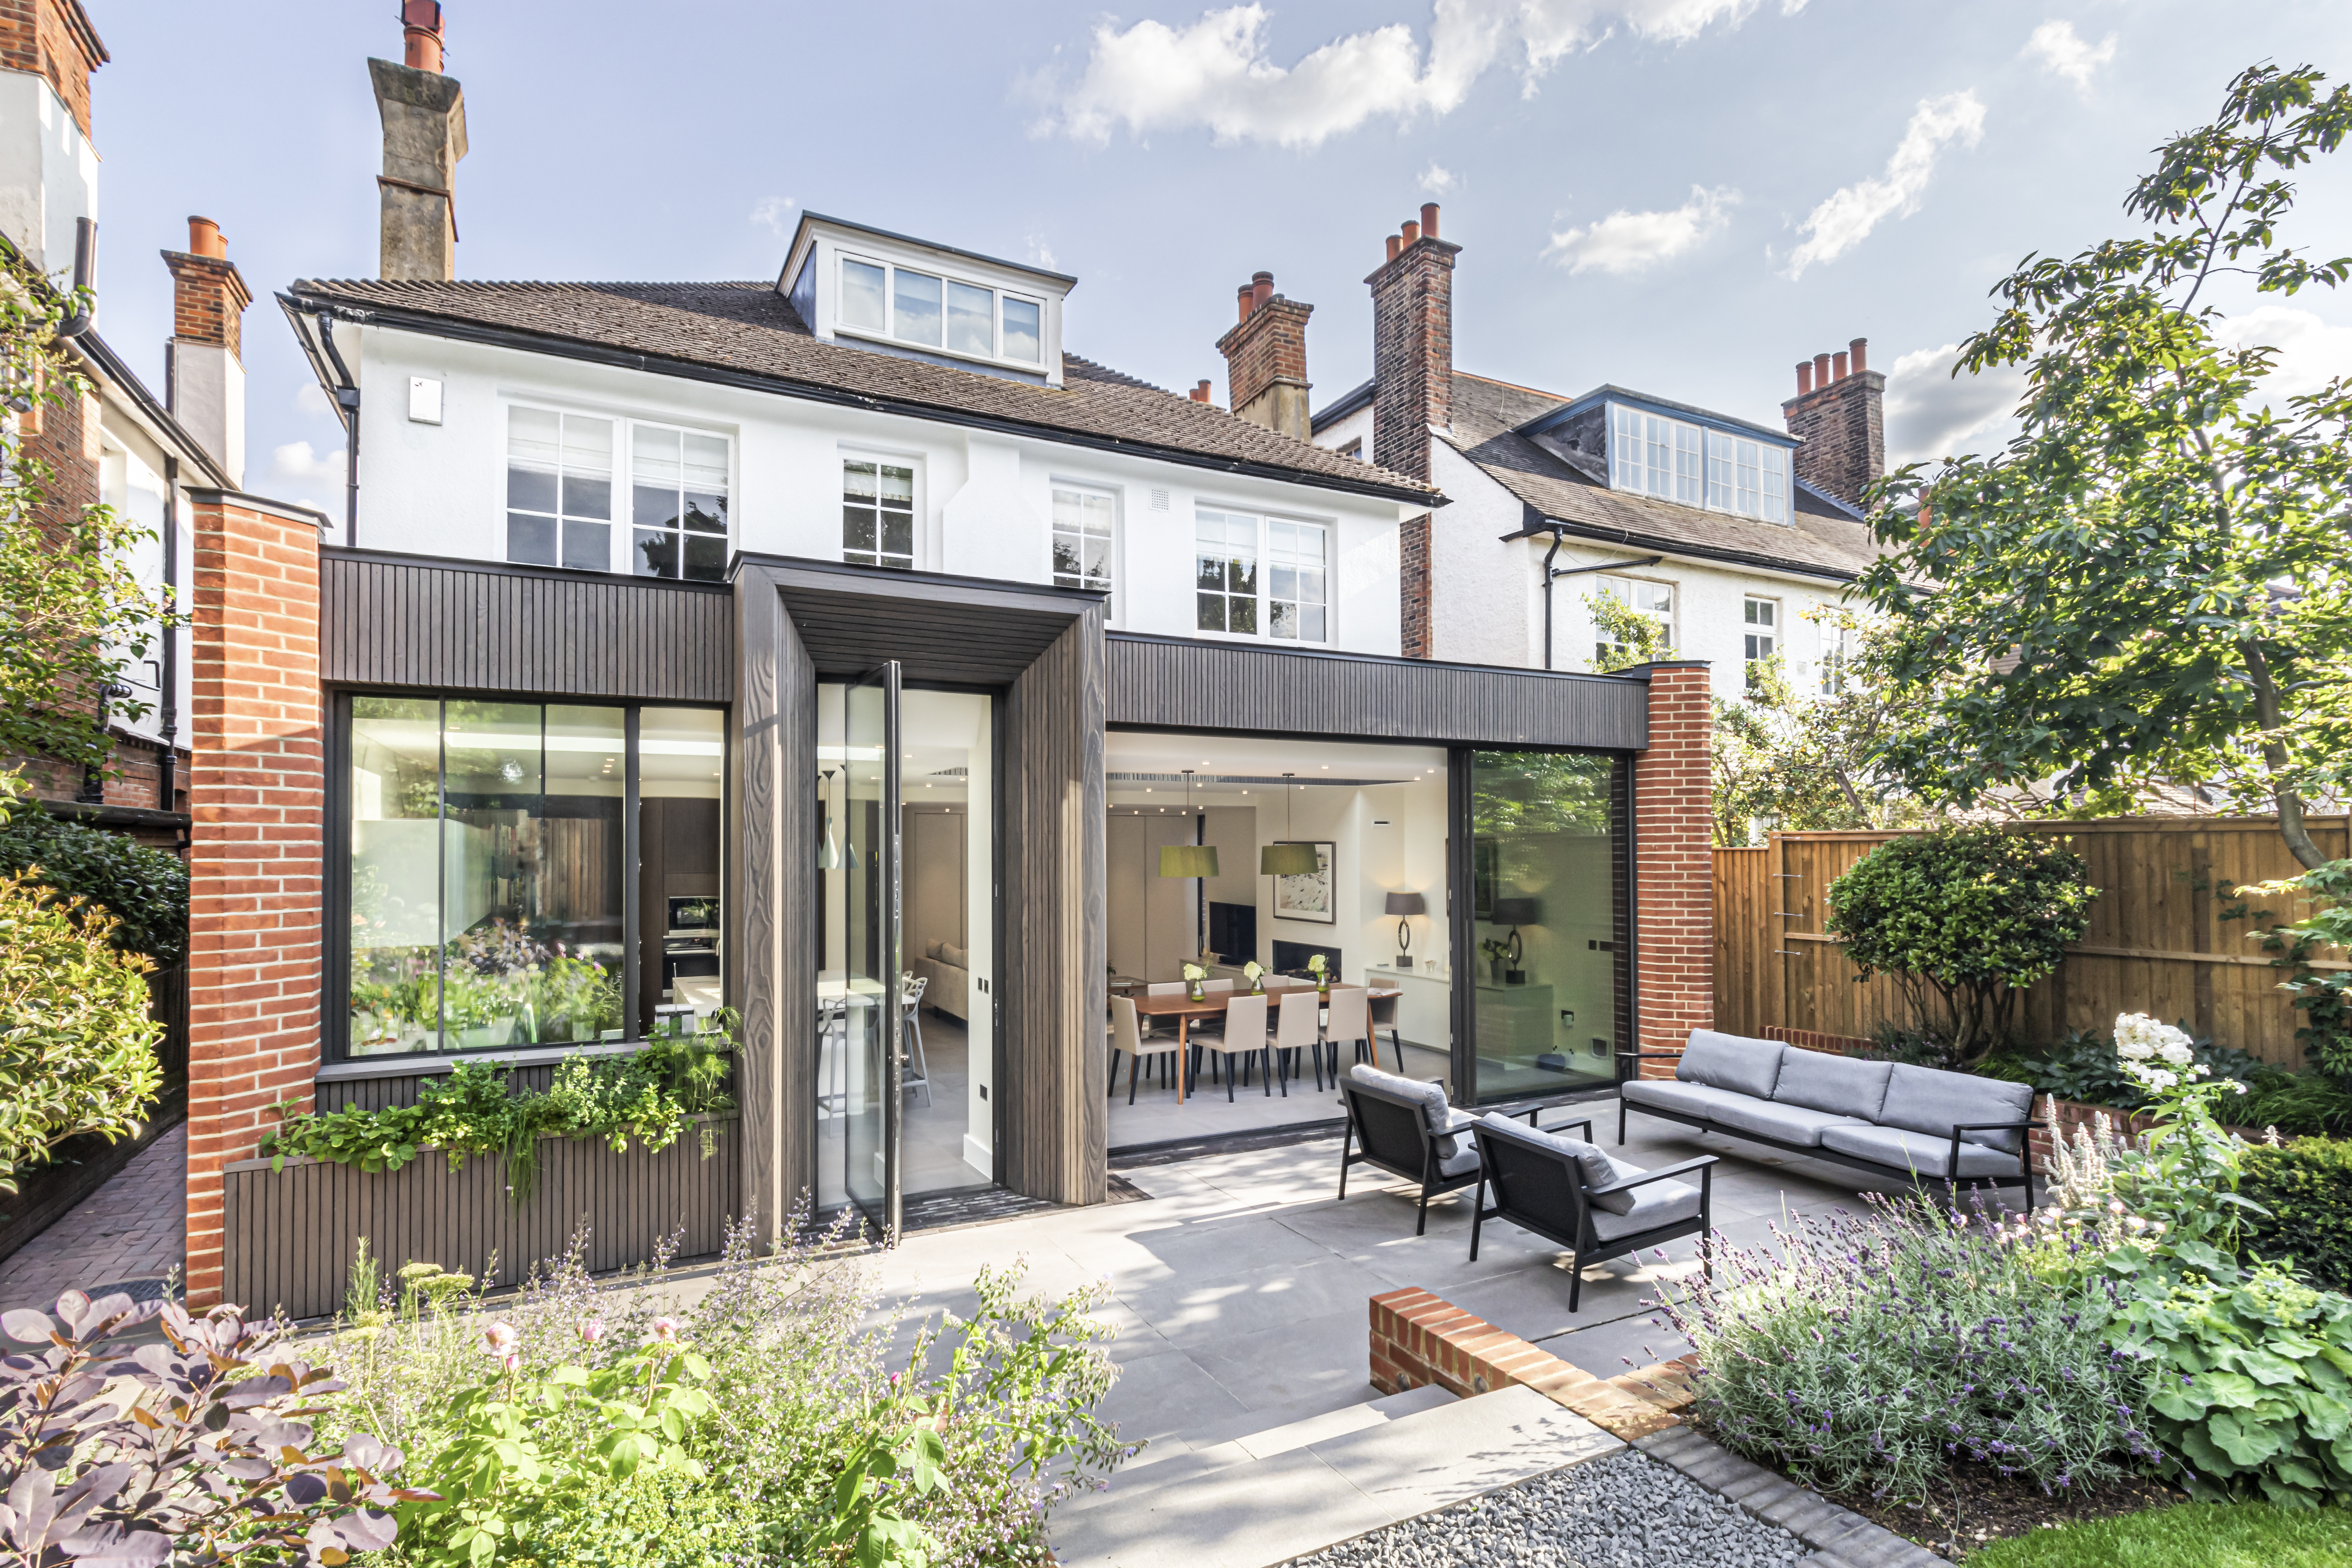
347 405
1550 556
167 787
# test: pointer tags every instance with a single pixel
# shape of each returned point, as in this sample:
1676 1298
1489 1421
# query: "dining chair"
1297 1027
1384 1016
1127 1036
1350 1023
910 997
1244 1036
1219 985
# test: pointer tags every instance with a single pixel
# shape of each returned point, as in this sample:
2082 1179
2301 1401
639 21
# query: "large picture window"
1267 576
562 470
678 487
1083 535
488 844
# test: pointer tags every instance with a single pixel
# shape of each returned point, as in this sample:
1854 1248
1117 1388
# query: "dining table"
1182 1007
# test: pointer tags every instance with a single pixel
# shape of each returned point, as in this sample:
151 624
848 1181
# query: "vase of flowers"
1319 967
1195 973
1256 973
1499 957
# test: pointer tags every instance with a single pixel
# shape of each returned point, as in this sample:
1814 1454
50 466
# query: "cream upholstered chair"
1349 1023
1297 1027
1245 1037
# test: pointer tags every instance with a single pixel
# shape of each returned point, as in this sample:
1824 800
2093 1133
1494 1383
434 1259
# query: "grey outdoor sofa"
1883 1116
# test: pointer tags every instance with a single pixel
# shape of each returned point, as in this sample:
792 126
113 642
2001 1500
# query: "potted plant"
1319 967
1195 973
1498 954
1256 973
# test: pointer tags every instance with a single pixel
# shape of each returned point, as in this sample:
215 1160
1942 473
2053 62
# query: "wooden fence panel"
2159 941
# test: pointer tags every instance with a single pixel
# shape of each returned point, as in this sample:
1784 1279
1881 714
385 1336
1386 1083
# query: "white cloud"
1846 219
1437 179
297 464
1214 72
1040 252
1931 414
311 399
769 211
2312 351
1631 241
2063 52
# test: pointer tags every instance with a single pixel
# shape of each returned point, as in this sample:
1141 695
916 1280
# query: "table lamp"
1404 906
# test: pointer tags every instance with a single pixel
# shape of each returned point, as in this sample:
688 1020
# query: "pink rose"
499 1339
591 1329
665 1330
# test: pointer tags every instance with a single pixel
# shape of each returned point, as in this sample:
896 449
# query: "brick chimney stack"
1840 416
423 115
48 171
1266 358
1413 390
204 362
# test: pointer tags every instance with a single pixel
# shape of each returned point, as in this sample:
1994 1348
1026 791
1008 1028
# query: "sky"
1681 196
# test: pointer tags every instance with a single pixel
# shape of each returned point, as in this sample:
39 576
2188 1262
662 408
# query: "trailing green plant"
145 889
77 1040
2324 997
1962 919
2305 1189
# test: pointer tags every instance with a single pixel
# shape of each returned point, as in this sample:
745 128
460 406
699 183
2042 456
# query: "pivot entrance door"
863 1018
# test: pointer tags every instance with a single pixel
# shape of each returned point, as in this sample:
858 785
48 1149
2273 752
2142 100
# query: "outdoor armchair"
1576 1196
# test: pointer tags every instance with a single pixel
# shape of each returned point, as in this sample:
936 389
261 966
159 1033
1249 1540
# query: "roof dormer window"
929 311
1675 460
916 299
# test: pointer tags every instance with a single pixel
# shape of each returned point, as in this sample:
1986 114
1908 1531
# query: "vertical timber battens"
1056 1123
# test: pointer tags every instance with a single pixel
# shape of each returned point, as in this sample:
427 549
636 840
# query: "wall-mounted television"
1232 932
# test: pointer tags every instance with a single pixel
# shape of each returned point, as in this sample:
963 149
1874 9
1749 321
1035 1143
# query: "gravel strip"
1624 1512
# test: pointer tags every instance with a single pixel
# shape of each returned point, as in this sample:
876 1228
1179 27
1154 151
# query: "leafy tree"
1962 919
1805 762
141 891
73 615
2147 583
1627 637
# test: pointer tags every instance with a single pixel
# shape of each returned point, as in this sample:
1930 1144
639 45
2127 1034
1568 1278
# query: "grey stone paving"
134 1227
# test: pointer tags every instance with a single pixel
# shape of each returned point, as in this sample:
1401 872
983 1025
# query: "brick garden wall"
1418 1340
257 796
1674 888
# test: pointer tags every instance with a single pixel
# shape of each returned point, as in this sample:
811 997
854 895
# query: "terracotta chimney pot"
1859 348
1248 301
1821 371
421 27
1411 236
205 238
1261 289
1200 393
1429 220
1837 365
1395 245
1804 377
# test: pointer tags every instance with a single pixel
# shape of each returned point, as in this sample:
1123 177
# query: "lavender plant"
1868 1351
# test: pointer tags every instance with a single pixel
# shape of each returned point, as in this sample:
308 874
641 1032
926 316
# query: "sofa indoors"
1887 1117
949 969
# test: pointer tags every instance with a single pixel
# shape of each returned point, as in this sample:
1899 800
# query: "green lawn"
2193 1535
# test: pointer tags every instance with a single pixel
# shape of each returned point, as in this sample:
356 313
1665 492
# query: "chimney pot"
1395 245
1858 349
205 238
1261 289
421 28
1837 365
1411 235
1821 371
1200 393
1804 377
1429 220
1248 301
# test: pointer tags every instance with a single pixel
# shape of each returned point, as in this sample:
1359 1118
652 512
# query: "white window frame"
1698 466
1262 598
1750 635
1836 650
889 333
1616 586
849 455
1113 560
621 537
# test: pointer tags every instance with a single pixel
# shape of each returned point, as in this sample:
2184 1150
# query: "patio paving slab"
133 1228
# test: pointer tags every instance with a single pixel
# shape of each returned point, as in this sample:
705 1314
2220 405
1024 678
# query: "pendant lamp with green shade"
1188 859
1287 859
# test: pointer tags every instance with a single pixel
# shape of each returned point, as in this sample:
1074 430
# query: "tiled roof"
750 330
1831 546
1483 408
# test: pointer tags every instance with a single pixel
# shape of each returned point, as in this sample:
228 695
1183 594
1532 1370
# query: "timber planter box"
289 1236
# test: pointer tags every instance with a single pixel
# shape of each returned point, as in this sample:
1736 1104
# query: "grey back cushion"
1441 1118
1842 1086
1731 1061
1923 1100
1598 1170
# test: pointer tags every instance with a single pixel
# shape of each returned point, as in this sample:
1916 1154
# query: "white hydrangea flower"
2176 1052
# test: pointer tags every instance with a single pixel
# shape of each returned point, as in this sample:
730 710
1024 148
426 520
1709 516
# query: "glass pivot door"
873 1020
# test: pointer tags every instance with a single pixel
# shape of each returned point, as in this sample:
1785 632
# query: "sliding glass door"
871 1023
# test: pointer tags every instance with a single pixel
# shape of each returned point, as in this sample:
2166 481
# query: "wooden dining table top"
1182 1005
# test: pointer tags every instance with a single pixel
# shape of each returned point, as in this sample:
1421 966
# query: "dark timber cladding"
394 620
956 631
1178 683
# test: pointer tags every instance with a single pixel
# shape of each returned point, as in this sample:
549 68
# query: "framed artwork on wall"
1309 897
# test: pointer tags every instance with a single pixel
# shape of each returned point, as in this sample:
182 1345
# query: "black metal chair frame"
1390 1155
1574 1230
1951 1183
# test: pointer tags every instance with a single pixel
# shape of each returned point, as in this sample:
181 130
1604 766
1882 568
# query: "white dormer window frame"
1699 466
935 310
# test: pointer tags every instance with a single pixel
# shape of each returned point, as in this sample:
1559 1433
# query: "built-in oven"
690 945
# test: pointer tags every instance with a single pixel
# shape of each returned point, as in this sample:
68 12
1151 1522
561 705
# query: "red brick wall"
1413 354
208 301
1843 427
1412 547
1418 1340
54 38
257 793
1266 350
1674 908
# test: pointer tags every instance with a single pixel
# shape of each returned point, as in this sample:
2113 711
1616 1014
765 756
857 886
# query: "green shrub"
2301 1104
2194 1535
2305 1192
76 1041
145 889
1962 919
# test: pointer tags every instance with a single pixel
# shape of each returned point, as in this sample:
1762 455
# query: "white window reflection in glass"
1083 540
1655 600
1225 574
1294 596
1025 335
915 307
559 490
877 514
966 319
677 486
1760 634
862 296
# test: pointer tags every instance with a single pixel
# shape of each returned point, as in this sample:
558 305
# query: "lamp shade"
1188 859
1287 860
1517 912
1403 904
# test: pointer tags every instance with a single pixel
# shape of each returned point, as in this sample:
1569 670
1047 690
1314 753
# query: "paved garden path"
134 1227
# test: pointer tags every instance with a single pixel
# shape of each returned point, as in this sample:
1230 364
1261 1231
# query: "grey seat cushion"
1660 1202
1687 1099
1598 1169
1842 1086
1446 1122
1918 1151
1771 1118
1922 1100
1730 1061
1464 1158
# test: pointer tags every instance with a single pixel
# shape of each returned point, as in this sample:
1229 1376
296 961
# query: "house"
122 446
1733 534
843 649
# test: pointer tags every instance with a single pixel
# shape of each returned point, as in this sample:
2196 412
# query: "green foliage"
2193 1535
2324 997
2299 1104
76 1042
1970 916
1627 639
2083 1065
2305 1189
145 889
1805 762
2147 583
888 1462
647 1095
73 614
